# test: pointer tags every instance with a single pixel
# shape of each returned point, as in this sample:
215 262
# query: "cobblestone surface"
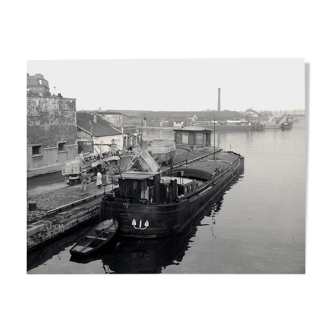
45 189
53 196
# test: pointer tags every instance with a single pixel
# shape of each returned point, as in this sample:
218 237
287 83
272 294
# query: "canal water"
257 226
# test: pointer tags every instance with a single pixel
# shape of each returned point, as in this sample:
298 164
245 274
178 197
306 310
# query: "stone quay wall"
43 231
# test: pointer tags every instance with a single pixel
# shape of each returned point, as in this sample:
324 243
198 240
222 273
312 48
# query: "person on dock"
84 180
99 180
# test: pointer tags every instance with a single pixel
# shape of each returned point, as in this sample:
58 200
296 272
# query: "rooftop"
100 128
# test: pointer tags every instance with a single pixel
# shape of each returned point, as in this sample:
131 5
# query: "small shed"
192 136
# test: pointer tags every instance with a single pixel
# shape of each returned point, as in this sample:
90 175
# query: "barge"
154 204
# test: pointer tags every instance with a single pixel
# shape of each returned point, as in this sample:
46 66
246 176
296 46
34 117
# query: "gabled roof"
88 132
98 129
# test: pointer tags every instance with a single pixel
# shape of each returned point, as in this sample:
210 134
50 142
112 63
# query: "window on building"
36 150
62 146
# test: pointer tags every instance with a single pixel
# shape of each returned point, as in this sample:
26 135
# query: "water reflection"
40 255
143 256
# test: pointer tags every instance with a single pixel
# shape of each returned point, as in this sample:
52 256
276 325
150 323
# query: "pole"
142 133
214 137
104 204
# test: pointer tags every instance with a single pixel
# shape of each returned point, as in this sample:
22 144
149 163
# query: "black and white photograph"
153 166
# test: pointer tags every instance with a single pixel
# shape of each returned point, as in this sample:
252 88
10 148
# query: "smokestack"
94 118
218 99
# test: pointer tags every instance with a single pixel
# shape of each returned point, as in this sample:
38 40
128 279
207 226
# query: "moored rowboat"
95 238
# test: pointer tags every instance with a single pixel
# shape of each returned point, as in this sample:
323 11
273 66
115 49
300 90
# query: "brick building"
51 127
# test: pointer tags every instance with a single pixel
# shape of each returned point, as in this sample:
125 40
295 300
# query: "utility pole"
143 119
214 126
142 132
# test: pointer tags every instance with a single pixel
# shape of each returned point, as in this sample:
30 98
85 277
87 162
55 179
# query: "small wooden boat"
96 238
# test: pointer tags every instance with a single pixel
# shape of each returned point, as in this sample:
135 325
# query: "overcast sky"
177 84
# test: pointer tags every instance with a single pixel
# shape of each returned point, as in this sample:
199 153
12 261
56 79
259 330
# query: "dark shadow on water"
39 256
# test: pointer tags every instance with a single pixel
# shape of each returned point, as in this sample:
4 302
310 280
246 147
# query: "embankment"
43 231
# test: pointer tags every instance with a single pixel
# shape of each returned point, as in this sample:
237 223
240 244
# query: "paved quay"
45 189
54 196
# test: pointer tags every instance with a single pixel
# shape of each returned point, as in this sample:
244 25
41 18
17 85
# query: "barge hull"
162 220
